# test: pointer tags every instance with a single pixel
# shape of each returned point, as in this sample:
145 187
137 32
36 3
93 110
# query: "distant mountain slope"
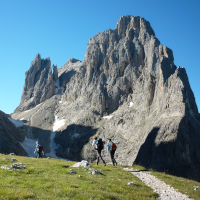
130 77
10 136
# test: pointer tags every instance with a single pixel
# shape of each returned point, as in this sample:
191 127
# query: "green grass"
50 179
183 185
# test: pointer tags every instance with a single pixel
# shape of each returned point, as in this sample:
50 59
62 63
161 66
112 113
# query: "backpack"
113 146
100 144
40 148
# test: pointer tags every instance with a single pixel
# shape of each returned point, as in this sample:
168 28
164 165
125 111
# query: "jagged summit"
39 83
137 24
73 60
128 89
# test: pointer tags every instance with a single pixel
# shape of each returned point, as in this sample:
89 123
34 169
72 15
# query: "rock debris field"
166 192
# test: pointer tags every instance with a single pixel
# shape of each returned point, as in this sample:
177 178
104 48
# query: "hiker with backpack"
112 148
38 150
98 146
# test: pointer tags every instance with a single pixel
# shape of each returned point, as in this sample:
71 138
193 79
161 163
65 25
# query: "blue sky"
60 29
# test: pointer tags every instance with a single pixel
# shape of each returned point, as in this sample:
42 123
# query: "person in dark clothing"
112 148
40 153
98 146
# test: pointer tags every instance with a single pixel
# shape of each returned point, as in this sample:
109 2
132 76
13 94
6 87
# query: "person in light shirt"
98 146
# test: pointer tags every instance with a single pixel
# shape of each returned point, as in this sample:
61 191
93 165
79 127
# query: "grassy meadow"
50 179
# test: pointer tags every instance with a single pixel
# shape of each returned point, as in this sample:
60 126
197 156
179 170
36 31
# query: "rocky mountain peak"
117 59
73 60
39 83
128 25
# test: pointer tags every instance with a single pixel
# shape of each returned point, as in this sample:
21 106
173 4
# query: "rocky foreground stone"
128 89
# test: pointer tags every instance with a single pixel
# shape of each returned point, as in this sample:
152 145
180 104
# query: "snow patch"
130 104
108 117
32 108
75 135
17 123
29 146
58 123
53 147
58 88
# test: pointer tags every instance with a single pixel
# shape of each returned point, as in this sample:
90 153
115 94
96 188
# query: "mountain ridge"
122 67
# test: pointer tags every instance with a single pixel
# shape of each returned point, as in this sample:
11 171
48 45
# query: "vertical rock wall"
39 83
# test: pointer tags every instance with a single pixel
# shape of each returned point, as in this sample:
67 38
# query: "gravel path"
166 192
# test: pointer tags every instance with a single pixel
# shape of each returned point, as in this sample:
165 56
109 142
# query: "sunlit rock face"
39 83
127 88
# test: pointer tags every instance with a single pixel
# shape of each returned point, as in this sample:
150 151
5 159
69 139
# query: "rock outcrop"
39 83
10 137
128 89
55 73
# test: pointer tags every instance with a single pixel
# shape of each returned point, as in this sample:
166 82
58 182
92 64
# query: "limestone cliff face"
127 88
123 63
39 84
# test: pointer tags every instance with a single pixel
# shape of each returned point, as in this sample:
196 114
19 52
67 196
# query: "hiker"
112 148
38 150
98 146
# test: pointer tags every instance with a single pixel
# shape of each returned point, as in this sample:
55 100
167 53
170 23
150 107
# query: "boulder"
83 163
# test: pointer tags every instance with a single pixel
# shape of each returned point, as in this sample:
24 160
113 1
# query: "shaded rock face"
10 137
55 72
71 143
130 76
68 70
